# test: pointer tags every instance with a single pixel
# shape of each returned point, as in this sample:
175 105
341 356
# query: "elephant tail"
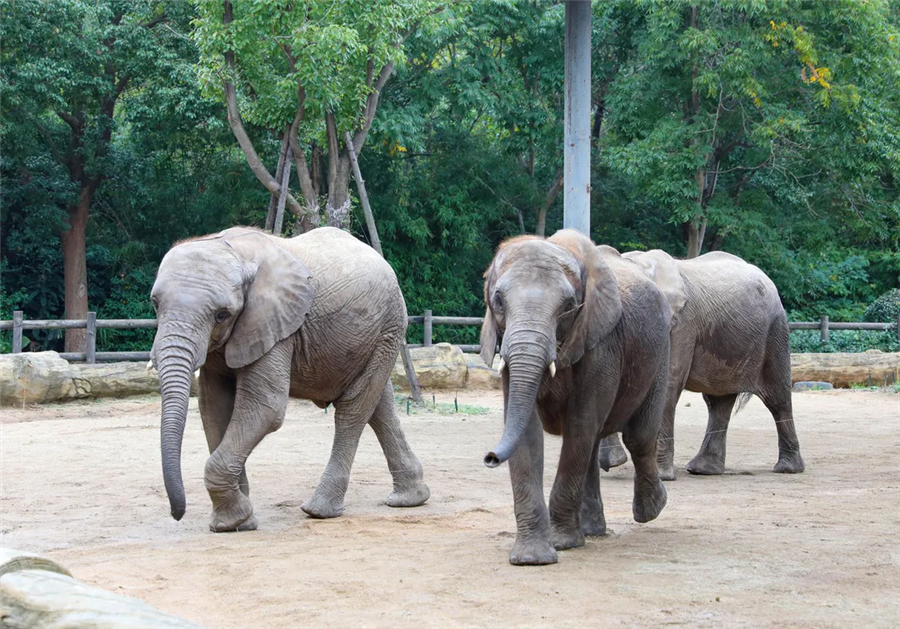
742 400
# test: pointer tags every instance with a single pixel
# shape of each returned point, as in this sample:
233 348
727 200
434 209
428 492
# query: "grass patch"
407 406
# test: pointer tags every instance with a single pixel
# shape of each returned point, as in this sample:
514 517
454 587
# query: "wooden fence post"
17 332
426 341
90 350
823 328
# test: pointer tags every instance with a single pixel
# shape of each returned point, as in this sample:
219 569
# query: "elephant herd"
592 343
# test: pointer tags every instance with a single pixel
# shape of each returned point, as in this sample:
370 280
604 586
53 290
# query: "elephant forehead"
211 262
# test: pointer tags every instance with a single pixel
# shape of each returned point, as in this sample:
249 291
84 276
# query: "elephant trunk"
175 362
526 364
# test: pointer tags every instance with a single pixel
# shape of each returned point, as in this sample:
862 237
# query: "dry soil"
81 482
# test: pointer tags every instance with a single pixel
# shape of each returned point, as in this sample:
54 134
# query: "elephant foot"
323 508
704 465
566 538
790 464
532 552
667 472
236 516
412 496
649 500
593 522
611 456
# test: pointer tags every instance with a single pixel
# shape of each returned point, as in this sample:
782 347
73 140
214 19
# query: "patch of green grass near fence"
439 408
809 341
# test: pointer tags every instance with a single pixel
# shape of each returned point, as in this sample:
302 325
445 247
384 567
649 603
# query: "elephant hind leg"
352 412
710 460
775 393
410 489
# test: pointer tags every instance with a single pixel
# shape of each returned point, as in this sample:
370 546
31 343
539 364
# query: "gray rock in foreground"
37 592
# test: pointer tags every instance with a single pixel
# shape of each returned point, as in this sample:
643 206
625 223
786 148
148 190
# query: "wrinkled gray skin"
729 337
604 326
318 317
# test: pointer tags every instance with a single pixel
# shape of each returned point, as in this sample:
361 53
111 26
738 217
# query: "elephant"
730 339
584 353
319 316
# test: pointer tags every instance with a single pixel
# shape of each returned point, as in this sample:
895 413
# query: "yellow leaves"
396 148
817 75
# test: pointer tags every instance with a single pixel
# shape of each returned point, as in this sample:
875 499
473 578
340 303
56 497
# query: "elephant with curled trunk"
584 353
730 338
319 317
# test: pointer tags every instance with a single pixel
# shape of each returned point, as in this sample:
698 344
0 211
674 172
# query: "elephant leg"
567 496
710 460
216 403
593 522
410 489
526 470
260 402
612 454
665 447
775 393
352 412
640 436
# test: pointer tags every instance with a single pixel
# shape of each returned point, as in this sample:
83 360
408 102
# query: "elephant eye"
222 316
497 306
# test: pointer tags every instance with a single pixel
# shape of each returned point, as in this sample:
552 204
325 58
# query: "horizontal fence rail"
427 320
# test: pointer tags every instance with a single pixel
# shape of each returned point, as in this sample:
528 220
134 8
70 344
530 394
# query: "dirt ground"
81 482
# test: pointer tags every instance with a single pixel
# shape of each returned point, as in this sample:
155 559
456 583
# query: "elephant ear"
602 307
489 336
277 297
662 268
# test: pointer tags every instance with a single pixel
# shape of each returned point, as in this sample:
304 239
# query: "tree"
719 101
311 69
66 66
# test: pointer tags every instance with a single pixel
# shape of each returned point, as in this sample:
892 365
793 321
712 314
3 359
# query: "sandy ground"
81 482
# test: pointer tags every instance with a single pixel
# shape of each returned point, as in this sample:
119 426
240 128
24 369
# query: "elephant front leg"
216 401
526 470
567 496
260 401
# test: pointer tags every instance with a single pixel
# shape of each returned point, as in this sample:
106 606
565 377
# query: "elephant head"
237 289
551 301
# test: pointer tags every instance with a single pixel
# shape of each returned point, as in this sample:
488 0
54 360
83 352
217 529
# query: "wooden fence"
426 320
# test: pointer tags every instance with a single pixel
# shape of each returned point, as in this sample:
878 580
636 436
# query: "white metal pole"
577 151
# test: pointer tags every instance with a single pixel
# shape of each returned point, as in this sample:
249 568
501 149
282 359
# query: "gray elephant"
584 353
730 338
319 317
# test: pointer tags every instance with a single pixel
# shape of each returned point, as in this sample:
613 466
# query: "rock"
41 377
12 560
35 378
845 369
480 376
441 366
40 598
812 386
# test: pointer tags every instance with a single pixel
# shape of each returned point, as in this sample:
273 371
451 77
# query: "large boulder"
843 370
41 377
441 366
480 376
37 592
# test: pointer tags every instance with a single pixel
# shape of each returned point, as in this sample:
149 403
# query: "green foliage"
884 309
809 341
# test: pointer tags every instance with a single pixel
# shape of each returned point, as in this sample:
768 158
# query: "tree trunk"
549 198
282 198
696 232
273 198
337 207
75 268
363 197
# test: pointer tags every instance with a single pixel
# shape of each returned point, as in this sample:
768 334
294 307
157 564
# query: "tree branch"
237 126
